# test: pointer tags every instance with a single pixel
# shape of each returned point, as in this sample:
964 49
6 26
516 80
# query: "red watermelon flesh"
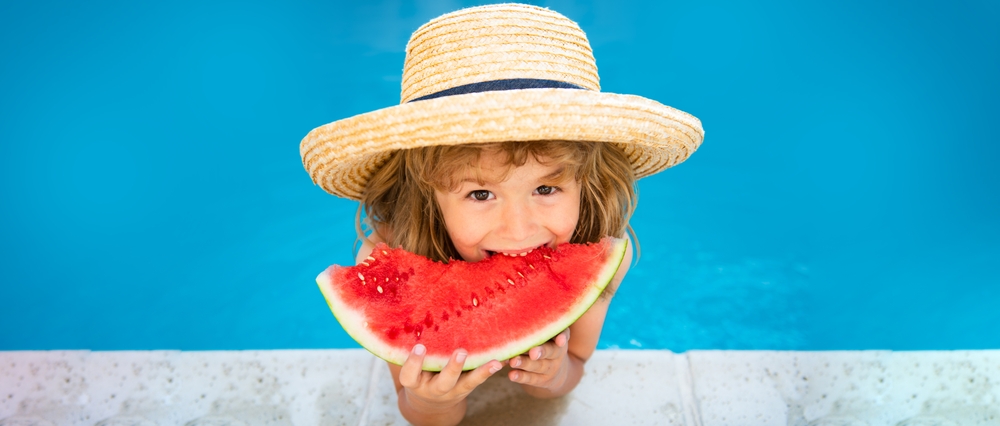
496 308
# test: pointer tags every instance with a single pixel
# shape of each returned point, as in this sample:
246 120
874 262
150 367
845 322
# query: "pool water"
845 197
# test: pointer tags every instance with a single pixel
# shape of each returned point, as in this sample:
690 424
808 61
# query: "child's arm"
556 367
432 398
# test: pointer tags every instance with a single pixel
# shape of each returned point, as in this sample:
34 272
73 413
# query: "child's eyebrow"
475 181
483 181
554 175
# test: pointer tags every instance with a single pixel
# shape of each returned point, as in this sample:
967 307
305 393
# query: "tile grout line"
685 384
374 376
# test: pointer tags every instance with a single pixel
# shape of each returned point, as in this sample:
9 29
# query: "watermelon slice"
496 308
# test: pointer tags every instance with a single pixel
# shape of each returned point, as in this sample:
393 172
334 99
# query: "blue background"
152 194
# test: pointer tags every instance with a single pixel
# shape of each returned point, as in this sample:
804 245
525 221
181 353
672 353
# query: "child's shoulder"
368 243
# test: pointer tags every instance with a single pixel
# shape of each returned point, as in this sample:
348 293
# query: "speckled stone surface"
351 387
848 388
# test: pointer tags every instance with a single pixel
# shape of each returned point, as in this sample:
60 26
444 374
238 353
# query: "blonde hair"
400 206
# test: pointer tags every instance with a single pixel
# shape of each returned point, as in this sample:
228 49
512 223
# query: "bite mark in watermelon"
496 308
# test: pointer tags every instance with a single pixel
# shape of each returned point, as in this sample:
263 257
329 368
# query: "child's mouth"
513 253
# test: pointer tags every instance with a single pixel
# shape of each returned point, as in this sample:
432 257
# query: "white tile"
736 388
850 387
251 387
627 387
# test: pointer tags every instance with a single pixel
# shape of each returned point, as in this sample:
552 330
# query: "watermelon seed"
531 266
379 289
365 263
475 302
519 273
524 253
385 252
510 281
546 256
362 277
371 259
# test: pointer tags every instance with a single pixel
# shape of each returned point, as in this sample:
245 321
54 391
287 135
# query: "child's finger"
524 363
449 375
409 375
562 340
476 377
531 361
552 349
527 378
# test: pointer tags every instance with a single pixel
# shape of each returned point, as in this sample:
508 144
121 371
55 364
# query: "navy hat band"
495 85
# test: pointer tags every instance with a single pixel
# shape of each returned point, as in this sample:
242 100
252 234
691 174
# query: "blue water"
846 195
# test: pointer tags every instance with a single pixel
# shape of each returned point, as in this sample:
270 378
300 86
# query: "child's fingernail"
419 349
461 356
494 369
516 362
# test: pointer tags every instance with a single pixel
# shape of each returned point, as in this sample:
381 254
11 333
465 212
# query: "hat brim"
341 156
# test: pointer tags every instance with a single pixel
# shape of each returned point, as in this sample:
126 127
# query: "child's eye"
546 190
480 195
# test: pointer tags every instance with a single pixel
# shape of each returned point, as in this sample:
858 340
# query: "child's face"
521 213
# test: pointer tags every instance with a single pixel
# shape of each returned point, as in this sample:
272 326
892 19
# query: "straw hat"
506 72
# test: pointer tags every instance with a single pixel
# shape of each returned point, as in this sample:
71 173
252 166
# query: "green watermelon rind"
373 343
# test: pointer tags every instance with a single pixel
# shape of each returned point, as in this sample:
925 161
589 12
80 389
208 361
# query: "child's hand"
544 366
432 393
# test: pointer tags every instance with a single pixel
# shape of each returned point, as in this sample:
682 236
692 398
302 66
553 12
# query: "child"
502 143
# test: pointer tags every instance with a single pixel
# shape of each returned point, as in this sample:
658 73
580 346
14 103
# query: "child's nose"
518 221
